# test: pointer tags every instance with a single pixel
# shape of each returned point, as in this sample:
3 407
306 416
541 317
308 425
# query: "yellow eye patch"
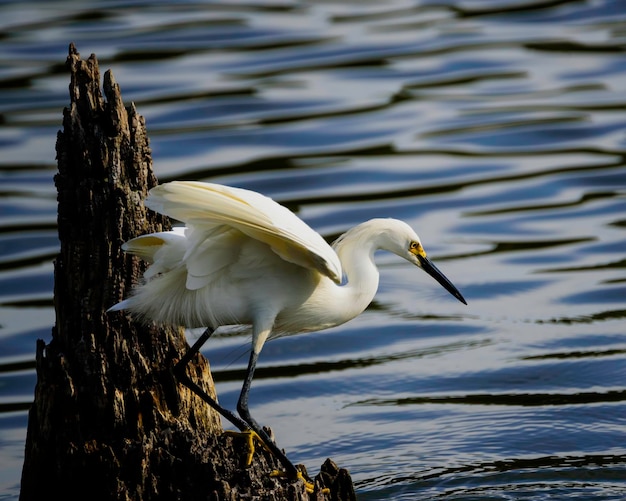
417 249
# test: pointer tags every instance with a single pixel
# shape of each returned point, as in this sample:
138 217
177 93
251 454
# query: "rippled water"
496 129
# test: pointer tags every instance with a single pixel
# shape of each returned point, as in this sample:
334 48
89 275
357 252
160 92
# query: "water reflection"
459 482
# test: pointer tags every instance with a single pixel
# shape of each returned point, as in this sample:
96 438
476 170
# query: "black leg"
180 370
245 423
244 412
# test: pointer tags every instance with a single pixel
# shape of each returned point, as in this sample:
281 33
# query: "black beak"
434 272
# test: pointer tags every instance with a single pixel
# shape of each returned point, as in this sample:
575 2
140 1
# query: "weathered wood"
109 420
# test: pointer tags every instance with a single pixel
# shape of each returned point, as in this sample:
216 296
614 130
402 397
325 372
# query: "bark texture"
109 420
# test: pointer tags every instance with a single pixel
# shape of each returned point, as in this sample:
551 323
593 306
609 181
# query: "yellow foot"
309 486
250 437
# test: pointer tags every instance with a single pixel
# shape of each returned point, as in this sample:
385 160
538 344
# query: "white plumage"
244 259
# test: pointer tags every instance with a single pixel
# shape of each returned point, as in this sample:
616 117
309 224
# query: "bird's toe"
251 437
308 485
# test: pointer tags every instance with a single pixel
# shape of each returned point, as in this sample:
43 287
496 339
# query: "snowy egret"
244 259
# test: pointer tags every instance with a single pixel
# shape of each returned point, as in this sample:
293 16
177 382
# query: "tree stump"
109 420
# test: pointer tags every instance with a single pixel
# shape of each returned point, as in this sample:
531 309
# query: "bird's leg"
180 370
245 423
244 412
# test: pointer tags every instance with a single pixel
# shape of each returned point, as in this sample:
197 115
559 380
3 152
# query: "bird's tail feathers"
122 305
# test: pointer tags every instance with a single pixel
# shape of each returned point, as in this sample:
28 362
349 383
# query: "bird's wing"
206 207
147 246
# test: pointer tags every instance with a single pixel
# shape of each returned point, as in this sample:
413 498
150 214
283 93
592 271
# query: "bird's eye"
416 248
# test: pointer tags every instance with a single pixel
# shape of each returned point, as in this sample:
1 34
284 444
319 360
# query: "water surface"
496 129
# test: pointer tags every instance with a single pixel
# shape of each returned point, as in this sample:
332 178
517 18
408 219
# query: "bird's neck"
361 274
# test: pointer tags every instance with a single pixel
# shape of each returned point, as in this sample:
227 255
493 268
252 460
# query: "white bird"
244 259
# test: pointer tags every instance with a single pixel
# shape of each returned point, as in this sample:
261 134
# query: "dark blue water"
496 129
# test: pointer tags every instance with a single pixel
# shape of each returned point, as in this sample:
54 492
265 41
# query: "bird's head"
401 239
